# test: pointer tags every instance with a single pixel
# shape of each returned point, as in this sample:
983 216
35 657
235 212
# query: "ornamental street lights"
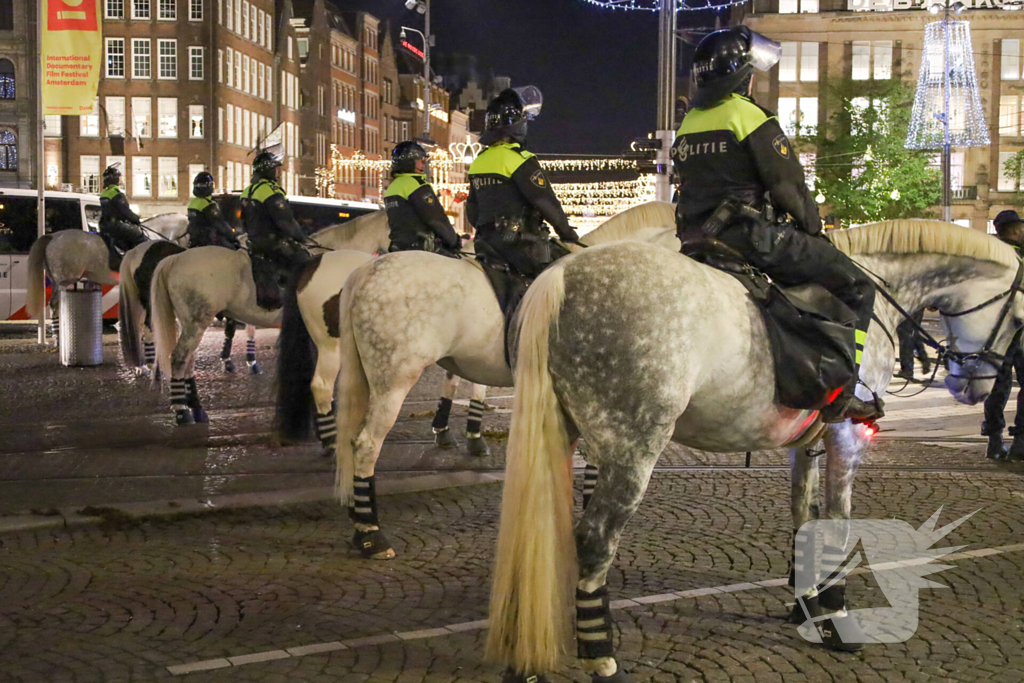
947 171
423 7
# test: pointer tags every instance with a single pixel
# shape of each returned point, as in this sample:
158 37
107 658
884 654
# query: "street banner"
72 55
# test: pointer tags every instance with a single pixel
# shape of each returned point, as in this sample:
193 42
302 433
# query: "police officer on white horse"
206 224
415 215
120 227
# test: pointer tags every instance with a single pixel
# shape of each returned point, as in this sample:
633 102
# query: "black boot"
996 449
1016 453
847 406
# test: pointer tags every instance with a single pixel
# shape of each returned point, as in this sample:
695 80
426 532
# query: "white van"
18 229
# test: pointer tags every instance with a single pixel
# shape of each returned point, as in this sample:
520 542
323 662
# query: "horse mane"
344 232
624 224
919 236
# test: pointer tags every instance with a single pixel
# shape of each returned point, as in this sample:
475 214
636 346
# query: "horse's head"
979 327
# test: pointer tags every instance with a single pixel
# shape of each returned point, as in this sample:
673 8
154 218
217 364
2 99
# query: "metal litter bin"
81 325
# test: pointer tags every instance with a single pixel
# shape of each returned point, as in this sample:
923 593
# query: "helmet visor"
277 152
532 100
764 52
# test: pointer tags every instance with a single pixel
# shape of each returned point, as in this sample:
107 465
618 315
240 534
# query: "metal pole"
947 184
666 95
426 71
40 163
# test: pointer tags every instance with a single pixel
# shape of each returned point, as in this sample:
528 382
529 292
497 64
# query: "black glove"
574 237
509 236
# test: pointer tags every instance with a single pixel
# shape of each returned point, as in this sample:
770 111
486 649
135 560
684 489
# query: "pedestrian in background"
1010 229
912 345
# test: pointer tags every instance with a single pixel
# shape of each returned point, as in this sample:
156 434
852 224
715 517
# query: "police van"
18 229
311 213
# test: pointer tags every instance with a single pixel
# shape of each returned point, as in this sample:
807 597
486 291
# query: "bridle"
986 354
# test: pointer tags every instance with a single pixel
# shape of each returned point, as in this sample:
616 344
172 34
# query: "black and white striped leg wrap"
149 352
250 350
832 598
593 624
193 393
589 483
225 351
179 395
365 499
444 410
54 326
803 558
326 429
476 415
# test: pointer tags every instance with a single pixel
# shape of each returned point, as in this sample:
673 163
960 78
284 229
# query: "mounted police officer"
737 168
509 195
415 215
274 236
206 225
119 225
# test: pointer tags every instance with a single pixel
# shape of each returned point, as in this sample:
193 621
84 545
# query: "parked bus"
311 213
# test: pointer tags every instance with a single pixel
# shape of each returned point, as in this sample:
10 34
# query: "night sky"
595 66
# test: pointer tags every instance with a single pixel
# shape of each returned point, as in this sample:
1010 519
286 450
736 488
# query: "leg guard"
589 483
444 411
593 624
198 414
365 510
149 353
327 429
476 413
179 402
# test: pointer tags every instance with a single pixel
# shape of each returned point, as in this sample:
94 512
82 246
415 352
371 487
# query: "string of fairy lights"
655 5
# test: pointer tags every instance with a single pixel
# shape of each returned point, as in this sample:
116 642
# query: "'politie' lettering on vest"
682 150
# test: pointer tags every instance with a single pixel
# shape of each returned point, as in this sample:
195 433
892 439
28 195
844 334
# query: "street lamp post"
666 96
423 7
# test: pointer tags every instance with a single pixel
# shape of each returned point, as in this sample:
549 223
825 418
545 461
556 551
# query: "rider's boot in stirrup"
1016 453
996 449
847 406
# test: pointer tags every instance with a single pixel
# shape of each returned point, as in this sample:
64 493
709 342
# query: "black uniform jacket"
415 212
267 213
114 207
507 184
207 227
737 150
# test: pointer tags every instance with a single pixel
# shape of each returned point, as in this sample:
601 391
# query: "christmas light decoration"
956 96
655 5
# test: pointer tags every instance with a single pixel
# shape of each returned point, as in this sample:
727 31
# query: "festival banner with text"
72 54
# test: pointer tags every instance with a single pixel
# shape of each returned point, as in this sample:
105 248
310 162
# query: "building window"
167 172
168 59
167 115
142 117
8 151
809 62
246 129
270 84
1011 60
194 170
113 9
7 89
245 74
1007 182
801 6
220 123
89 124
118 163
231 123
195 63
141 58
229 15
238 17
195 10
798 116
244 28
52 126
1009 115
90 172
252 24
196 121
115 116
872 60
220 66
115 57
230 67
167 9
142 176
140 9
261 82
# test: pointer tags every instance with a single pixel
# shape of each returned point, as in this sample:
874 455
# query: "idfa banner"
72 55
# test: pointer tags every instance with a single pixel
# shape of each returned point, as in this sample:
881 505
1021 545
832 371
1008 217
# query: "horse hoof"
373 545
798 616
478 447
444 439
200 416
229 365
255 369
328 450
511 676
183 418
841 634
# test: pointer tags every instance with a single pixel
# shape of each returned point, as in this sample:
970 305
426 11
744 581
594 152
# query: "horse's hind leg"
475 441
148 352
380 418
325 376
625 471
804 507
250 350
184 394
229 339
442 435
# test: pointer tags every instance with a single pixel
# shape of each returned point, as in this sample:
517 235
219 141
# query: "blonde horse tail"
36 266
353 392
165 327
129 311
535 561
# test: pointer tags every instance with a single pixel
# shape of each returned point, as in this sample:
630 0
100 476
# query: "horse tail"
353 390
129 311
165 328
36 296
535 560
296 364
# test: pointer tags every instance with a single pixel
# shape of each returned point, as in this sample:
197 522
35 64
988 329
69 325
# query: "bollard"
81 325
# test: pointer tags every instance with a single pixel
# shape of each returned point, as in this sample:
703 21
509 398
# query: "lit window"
167 112
1009 115
244 28
808 115
142 176
807 160
115 116
1007 182
52 126
168 9
196 121
230 67
141 58
89 166
861 60
142 117
229 15
89 124
808 62
787 115
140 9
167 170
115 57
195 63
168 59
7 89
882 59
8 151
788 62
1011 60
231 123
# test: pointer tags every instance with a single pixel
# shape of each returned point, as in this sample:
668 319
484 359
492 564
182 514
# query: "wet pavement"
274 592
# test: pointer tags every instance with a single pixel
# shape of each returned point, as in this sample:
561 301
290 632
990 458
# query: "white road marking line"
469 626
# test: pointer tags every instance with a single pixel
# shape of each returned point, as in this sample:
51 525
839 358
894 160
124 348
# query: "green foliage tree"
862 167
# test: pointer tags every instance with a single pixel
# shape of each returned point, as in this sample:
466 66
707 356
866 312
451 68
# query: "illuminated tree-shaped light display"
655 5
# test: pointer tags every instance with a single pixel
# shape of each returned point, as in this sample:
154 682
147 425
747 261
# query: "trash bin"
81 324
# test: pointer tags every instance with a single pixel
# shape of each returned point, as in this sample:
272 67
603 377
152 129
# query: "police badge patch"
781 145
538 179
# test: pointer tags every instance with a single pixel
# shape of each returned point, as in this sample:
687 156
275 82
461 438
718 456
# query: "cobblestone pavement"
275 594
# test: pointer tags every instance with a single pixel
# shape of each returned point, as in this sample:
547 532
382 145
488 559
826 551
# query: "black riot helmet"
202 185
404 157
508 113
111 176
725 60
264 166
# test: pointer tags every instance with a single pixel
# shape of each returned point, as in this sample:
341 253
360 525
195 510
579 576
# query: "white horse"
193 287
631 346
170 226
406 311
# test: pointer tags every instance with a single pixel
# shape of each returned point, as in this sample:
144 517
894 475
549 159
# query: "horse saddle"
509 285
114 255
811 332
144 273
